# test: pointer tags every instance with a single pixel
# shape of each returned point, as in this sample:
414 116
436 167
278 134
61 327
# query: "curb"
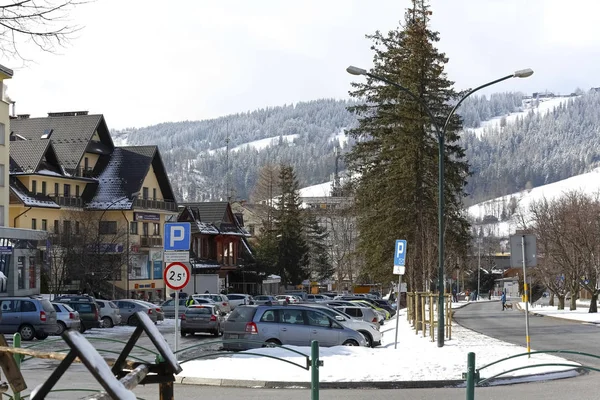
377 384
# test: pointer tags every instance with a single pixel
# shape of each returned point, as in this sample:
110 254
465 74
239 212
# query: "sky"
143 62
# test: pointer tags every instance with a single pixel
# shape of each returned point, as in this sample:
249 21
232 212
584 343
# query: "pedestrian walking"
503 300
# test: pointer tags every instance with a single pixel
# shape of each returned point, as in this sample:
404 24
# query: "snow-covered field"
415 359
581 314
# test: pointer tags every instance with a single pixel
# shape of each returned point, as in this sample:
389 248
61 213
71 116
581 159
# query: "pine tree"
319 262
289 230
396 156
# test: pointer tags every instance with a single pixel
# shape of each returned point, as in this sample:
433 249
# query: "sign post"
176 276
399 269
527 253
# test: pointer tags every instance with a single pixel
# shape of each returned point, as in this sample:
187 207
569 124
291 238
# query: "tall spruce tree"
319 262
396 156
289 230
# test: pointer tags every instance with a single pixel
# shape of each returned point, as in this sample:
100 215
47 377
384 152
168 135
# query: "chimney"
23 116
14 111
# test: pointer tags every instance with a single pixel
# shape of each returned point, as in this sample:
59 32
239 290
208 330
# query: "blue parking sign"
400 253
177 236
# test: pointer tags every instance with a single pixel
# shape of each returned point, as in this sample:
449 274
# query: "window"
44 224
251 229
108 227
32 275
77 191
33 223
292 317
2 175
316 318
21 272
10 306
28 306
145 193
67 227
56 227
154 194
34 187
44 188
77 227
270 316
156 229
47 133
56 189
2 134
133 227
86 163
67 190
145 228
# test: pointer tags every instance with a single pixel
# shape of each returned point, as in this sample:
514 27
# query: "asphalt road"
546 333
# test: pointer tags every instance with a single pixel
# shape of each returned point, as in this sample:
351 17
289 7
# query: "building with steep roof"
104 206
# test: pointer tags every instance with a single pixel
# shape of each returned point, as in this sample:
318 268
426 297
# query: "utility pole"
478 266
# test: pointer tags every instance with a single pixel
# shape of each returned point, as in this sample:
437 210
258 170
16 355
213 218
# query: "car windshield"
47 306
68 308
242 314
112 305
198 310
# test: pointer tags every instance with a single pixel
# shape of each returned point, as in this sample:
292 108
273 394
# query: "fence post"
471 376
314 370
18 358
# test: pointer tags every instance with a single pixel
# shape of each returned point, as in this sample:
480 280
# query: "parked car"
316 298
364 313
89 313
386 305
109 313
287 299
129 307
286 325
66 317
160 314
368 329
206 318
32 317
384 313
168 307
265 299
220 299
239 300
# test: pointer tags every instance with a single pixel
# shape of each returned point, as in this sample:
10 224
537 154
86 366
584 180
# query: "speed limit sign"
176 275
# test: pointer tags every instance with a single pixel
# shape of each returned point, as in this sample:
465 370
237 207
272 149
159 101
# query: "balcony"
151 241
67 201
155 204
84 172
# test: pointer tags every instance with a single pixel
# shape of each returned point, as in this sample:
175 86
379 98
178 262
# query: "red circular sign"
176 275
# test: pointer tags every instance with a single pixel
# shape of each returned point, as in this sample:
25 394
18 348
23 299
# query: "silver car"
109 313
265 299
364 313
369 330
220 299
285 325
67 318
239 300
206 318
128 308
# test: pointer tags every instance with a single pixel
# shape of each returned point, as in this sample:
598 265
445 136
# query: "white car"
287 299
220 299
236 299
370 331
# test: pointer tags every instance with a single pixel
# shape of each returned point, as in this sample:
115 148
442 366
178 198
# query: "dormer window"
47 133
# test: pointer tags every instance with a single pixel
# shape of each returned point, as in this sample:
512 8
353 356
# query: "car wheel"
107 322
183 333
27 332
61 328
368 338
350 342
133 320
217 332
272 343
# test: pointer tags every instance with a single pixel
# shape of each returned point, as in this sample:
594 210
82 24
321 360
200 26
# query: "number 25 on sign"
176 275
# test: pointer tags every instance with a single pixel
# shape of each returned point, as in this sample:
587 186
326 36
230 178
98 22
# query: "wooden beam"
10 368
52 355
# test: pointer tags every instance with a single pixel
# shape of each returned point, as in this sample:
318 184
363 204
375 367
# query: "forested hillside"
533 150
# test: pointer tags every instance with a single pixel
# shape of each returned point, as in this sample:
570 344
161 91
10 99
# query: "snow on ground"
581 314
259 144
545 105
415 359
587 183
341 137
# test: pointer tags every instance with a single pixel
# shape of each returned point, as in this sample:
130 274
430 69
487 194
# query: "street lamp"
441 135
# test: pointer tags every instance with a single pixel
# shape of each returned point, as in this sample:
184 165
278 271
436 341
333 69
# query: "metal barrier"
117 381
472 376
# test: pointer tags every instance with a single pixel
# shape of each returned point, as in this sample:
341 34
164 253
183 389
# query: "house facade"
104 207
220 245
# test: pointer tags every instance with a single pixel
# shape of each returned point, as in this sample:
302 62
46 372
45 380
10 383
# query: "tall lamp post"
441 135
100 220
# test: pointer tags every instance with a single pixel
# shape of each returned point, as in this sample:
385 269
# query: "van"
33 317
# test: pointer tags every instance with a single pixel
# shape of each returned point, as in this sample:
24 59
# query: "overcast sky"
142 62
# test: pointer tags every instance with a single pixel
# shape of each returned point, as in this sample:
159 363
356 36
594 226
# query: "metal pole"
18 358
478 267
527 341
471 376
398 309
314 370
440 338
176 318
